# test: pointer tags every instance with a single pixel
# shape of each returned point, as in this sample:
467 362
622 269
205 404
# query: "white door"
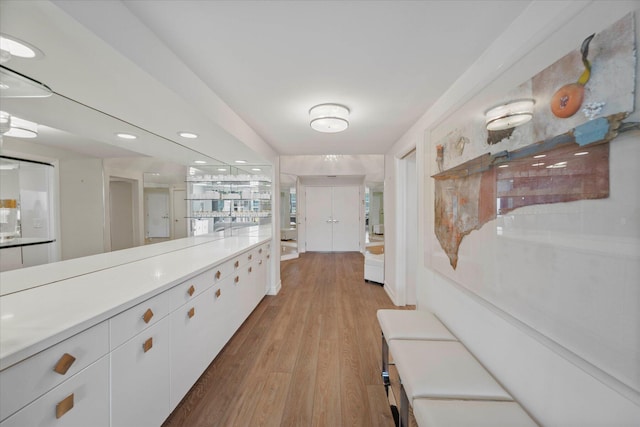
318 222
121 213
157 214
346 219
333 219
179 213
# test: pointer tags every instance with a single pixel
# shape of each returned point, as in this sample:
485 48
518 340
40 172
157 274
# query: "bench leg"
385 365
404 408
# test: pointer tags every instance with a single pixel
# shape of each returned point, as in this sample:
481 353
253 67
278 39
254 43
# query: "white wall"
82 218
553 383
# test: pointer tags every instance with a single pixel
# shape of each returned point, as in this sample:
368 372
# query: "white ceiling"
267 63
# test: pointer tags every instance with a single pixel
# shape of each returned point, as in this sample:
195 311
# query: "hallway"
309 356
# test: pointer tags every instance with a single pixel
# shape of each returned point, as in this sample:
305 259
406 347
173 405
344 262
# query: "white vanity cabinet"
191 328
81 401
24 382
140 379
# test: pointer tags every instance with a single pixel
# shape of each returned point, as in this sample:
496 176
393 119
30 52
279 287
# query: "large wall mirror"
106 193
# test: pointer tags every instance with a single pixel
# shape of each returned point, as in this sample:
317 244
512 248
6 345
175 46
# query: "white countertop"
68 297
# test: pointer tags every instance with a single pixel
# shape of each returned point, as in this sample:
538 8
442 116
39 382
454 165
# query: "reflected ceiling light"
241 161
21 128
329 118
199 162
188 135
222 169
15 85
581 153
16 47
125 135
509 115
256 169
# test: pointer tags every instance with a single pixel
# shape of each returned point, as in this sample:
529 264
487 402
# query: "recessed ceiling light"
21 128
125 135
19 48
256 169
222 169
200 162
189 135
241 161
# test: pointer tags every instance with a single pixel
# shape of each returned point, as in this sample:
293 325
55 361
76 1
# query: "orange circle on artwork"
567 100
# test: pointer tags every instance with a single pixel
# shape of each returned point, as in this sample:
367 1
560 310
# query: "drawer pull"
218 293
250 269
236 264
147 315
250 257
146 346
260 263
191 290
268 256
236 280
64 406
218 274
191 312
260 251
64 363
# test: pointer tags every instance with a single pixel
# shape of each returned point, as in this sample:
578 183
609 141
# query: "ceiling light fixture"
509 115
199 162
21 128
329 118
188 135
19 48
123 135
241 162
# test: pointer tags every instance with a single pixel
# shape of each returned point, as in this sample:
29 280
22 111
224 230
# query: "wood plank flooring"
309 356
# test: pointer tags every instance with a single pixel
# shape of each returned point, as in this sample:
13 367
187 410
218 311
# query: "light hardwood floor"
309 356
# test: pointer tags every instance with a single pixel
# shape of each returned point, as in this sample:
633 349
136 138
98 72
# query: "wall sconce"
509 115
329 118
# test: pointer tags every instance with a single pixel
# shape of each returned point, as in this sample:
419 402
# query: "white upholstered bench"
441 370
408 325
476 413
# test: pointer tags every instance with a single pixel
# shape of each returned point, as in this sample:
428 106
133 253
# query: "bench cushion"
456 413
443 369
412 324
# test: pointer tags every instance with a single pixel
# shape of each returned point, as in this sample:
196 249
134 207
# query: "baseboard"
273 290
392 295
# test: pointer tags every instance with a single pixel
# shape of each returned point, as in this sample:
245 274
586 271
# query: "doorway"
122 214
179 213
333 219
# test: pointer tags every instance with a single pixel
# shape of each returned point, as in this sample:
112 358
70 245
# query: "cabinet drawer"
82 400
136 319
189 289
23 382
222 271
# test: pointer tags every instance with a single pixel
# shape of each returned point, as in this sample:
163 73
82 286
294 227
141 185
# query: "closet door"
333 219
318 219
346 219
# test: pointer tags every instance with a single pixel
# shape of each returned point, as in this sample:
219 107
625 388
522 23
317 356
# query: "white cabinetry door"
191 328
140 379
81 401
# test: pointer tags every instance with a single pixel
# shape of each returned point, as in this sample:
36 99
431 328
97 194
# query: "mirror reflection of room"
288 217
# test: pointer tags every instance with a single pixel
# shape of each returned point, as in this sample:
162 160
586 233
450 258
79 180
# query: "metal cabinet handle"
218 292
260 262
236 264
147 315
260 251
191 290
146 346
250 269
64 363
250 257
64 406
191 312
236 280
218 274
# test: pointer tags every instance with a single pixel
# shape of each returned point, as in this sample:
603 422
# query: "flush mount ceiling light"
21 128
19 48
509 115
241 162
123 135
329 118
188 135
